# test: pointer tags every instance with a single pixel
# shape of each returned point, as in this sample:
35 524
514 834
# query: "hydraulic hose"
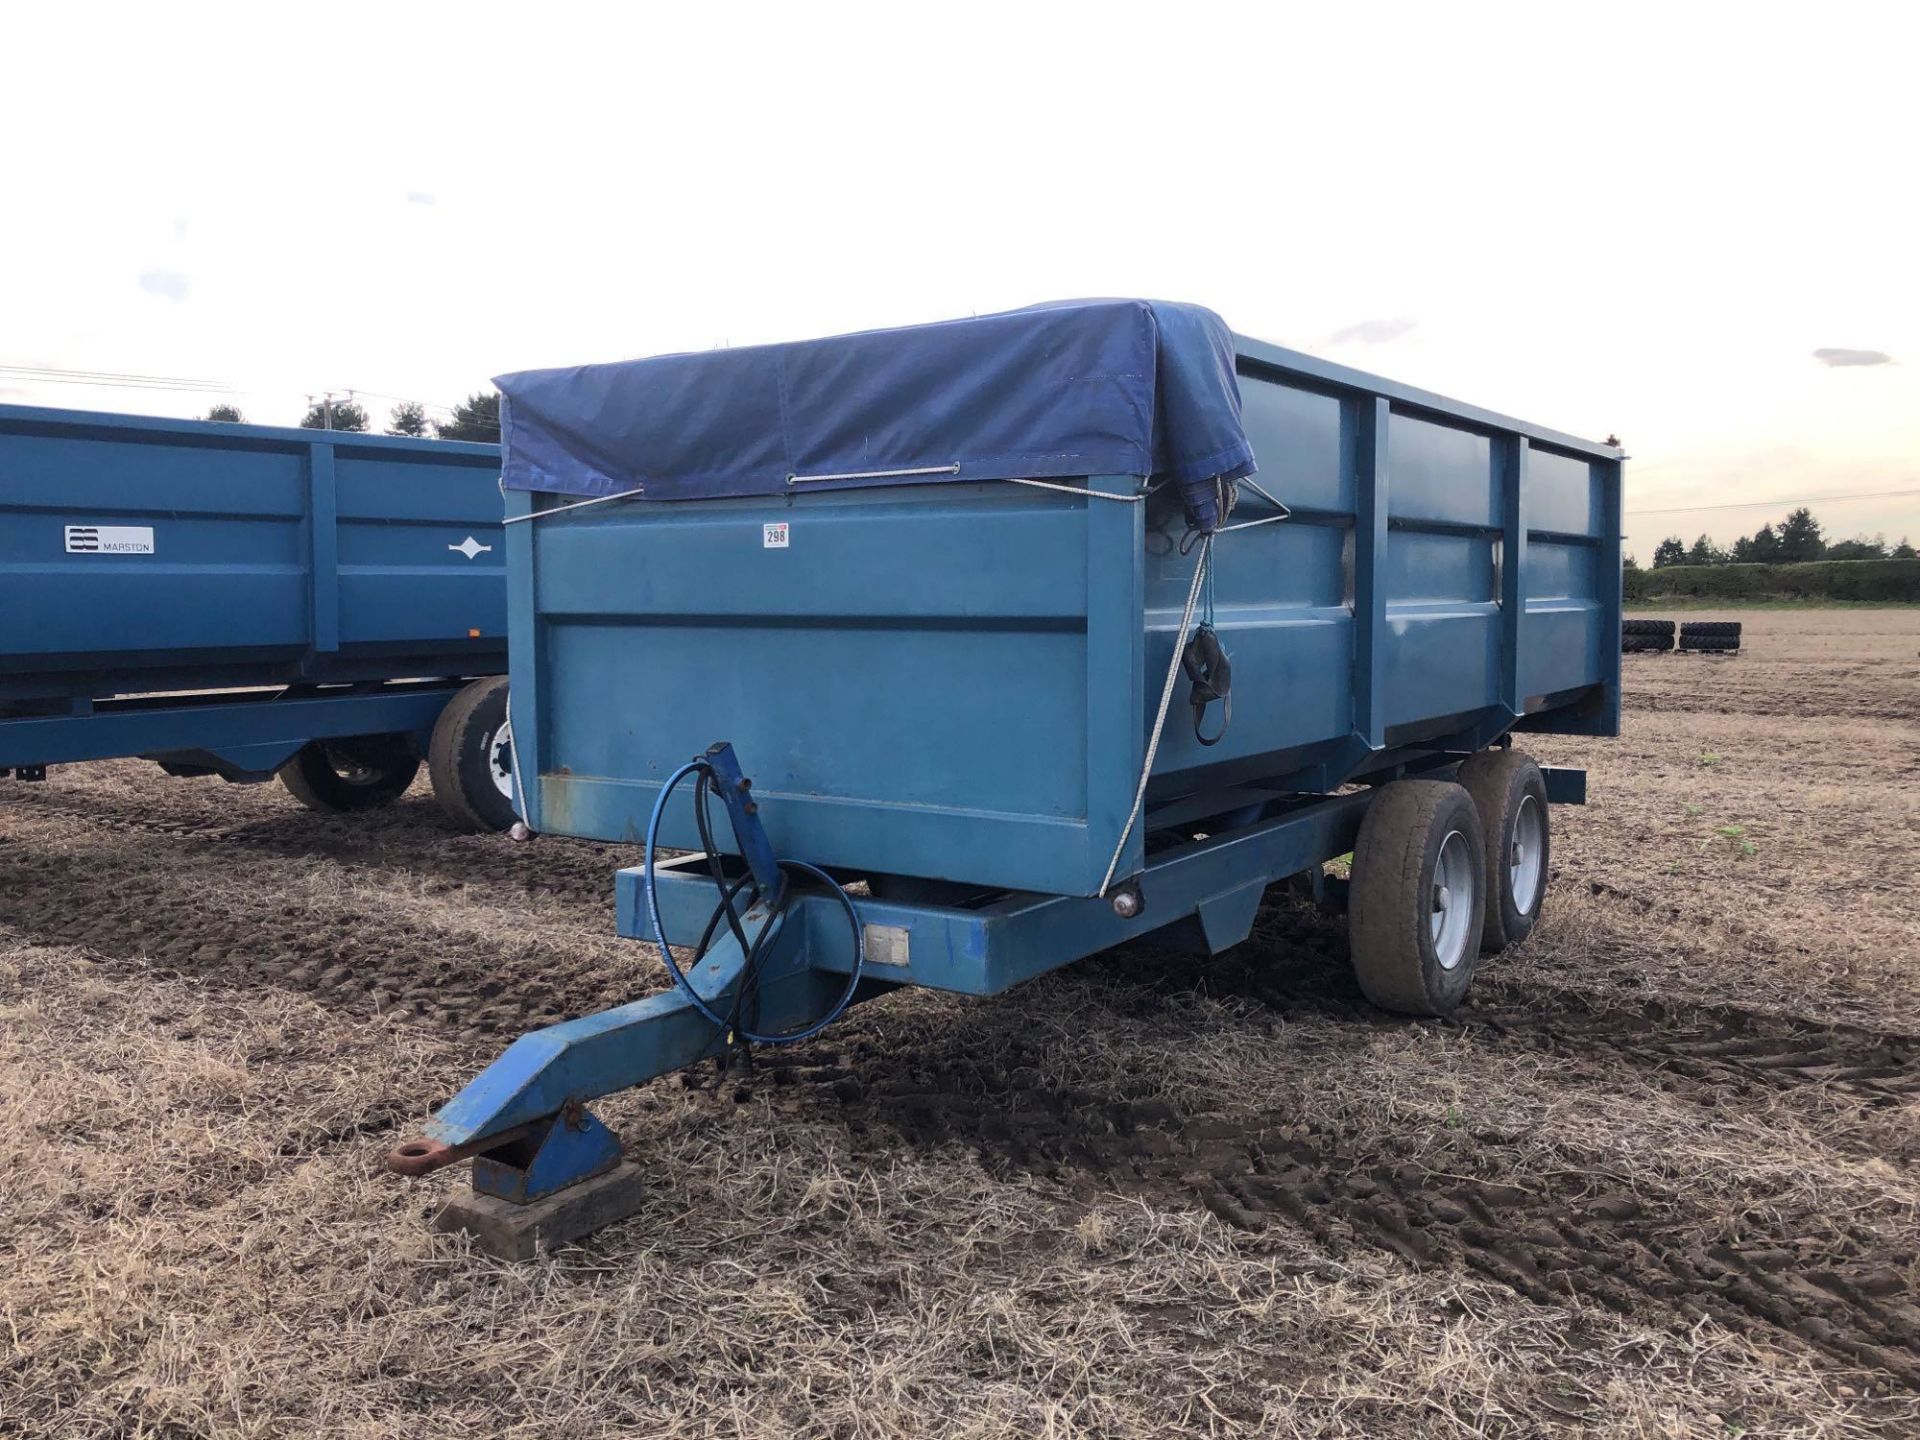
775 918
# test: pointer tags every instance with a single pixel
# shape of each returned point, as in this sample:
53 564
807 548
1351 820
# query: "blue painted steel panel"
278 556
1440 473
957 682
1569 495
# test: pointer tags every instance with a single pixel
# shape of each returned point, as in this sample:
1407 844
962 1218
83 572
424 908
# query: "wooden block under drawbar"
519 1232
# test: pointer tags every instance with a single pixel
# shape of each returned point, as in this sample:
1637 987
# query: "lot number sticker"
773 537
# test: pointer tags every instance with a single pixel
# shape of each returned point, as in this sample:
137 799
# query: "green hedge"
1885 580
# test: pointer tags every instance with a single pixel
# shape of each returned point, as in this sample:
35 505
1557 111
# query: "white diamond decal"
470 547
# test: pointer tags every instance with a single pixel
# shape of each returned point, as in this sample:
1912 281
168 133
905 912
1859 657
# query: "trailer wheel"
1415 905
339 777
1511 795
471 761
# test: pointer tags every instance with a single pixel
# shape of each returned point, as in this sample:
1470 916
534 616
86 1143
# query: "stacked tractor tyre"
1656 637
1710 635
1645 636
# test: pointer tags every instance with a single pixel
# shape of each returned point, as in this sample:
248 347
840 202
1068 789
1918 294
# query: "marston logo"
109 539
470 547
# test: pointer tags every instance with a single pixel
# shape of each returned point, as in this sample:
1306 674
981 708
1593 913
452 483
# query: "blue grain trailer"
240 601
956 653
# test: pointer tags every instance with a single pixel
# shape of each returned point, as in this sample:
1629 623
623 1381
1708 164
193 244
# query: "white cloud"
1830 355
1371 332
168 284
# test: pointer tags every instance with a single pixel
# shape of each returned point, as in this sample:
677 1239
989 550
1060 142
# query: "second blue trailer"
244 601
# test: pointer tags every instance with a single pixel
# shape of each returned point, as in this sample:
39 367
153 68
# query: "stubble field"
1659 1178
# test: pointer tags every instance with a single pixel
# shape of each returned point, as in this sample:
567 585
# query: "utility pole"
326 399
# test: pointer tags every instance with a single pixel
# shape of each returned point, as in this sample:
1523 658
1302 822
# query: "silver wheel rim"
1526 855
1453 887
500 760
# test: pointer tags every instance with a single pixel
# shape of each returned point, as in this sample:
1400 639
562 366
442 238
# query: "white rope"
876 474
1166 699
955 470
1250 524
1077 490
1261 491
576 505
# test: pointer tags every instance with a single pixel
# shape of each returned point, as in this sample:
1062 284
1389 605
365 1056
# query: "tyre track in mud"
207 906
1296 966
1714 1045
1696 684
1649 1252
410 837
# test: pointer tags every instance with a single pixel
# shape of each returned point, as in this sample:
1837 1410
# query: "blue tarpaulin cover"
1095 387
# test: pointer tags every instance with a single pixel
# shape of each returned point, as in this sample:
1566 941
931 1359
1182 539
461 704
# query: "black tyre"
339 777
471 758
1644 645
1415 906
1696 644
1698 629
1511 795
1661 628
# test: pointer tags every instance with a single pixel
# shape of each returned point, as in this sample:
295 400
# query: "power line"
176 384
127 380
109 377
425 404
402 399
1775 504
113 382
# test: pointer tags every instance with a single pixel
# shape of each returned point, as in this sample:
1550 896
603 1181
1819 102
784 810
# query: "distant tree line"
1796 540
1872 582
475 418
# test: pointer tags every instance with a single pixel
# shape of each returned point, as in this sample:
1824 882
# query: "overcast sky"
1692 226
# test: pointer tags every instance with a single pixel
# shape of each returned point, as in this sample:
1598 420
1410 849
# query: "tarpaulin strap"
1160 719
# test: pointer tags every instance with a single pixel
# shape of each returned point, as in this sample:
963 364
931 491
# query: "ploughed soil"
1658 1178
